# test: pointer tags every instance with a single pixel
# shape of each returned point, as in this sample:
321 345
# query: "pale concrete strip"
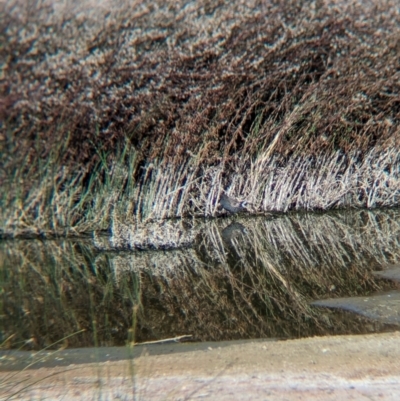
324 368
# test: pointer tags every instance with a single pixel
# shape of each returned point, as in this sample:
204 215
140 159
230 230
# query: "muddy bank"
329 368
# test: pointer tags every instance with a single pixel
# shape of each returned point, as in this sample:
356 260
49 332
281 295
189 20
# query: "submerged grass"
150 109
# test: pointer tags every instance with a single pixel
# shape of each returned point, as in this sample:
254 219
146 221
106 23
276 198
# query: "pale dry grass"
273 184
266 184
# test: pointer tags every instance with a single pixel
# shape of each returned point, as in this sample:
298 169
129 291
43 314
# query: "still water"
241 278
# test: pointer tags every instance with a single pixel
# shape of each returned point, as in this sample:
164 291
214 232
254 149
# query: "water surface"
241 278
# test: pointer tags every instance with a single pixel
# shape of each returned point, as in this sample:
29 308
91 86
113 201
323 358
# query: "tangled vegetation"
152 108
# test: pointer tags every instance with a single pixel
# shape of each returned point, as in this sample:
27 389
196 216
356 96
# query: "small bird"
231 205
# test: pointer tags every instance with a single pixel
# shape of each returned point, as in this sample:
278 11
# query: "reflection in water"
240 278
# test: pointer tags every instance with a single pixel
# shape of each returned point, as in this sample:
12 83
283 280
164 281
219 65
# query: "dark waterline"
243 278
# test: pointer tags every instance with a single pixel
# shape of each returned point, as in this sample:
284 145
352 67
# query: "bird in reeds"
231 205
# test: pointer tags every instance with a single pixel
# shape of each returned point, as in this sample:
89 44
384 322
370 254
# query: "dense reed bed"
151 108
